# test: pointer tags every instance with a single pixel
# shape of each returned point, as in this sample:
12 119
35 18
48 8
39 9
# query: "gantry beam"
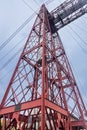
67 12
77 123
32 104
20 107
56 107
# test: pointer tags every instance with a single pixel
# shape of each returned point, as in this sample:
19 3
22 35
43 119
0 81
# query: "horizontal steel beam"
77 123
20 107
32 104
56 107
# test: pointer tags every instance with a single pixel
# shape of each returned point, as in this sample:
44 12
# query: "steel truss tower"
42 93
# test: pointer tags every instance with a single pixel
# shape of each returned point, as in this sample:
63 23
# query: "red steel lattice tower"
42 93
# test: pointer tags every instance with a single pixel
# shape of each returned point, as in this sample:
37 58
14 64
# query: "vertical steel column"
43 73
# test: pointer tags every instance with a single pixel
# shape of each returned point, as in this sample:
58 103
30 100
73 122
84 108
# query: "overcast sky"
74 37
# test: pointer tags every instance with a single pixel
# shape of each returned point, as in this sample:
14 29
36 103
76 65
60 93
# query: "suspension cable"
16 32
10 59
77 35
83 48
11 50
37 3
29 6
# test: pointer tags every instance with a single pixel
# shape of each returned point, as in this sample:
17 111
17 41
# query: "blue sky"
74 37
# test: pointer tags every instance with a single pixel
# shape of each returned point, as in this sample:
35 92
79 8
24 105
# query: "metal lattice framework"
42 93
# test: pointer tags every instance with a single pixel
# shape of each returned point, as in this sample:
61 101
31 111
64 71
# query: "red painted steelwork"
42 93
